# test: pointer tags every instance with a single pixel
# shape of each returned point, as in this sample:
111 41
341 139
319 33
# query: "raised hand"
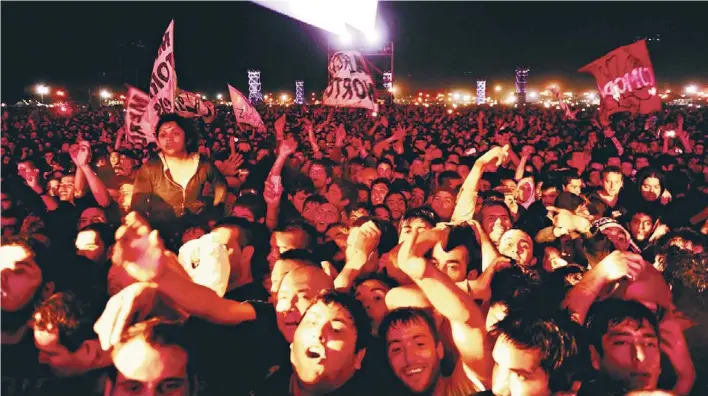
340 134
363 240
81 153
399 134
568 220
495 156
272 192
139 248
674 345
231 165
280 125
287 147
621 265
411 256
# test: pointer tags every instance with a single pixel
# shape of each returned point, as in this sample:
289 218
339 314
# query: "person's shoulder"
275 382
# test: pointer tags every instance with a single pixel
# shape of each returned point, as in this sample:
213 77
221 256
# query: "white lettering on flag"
350 84
163 80
243 111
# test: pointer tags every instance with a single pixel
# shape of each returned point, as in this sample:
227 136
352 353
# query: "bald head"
295 295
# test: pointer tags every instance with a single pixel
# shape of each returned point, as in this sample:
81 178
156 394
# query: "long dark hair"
191 134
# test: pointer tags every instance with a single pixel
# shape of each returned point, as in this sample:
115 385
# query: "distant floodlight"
105 94
42 89
691 89
219 96
204 97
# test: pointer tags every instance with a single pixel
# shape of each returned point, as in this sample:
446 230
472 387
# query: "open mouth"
315 352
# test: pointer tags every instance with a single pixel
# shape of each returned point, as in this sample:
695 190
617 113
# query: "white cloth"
207 263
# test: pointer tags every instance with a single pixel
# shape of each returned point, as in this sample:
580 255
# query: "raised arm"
273 184
81 155
141 252
466 319
360 244
467 197
616 266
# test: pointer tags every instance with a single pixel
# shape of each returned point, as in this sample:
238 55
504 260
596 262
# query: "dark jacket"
162 201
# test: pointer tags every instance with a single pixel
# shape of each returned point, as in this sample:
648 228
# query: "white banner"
243 111
163 80
137 127
191 105
350 84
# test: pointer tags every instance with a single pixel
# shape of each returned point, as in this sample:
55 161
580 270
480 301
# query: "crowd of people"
417 250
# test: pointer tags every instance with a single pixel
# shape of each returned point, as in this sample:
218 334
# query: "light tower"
299 92
481 92
522 76
254 86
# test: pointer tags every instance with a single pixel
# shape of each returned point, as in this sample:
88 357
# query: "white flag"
137 127
163 80
191 105
350 84
243 111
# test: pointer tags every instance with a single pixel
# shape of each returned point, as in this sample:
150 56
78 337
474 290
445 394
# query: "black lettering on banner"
179 103
163 72
336 82
359 89
328 91
167 105
155 85
348 65
347 89
165 43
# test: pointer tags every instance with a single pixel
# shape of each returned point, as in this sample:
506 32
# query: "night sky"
83 45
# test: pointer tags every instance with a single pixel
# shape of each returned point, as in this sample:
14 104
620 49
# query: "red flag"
625 79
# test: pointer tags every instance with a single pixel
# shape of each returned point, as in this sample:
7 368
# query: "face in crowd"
171 139
495 221
324 352
414 353
612 183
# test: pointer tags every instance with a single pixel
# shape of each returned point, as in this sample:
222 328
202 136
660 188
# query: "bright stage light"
533 95
219 96
42 89
204 97
283 97
498 88
346 38
456 96
373 37
105 94
60 93
691 89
